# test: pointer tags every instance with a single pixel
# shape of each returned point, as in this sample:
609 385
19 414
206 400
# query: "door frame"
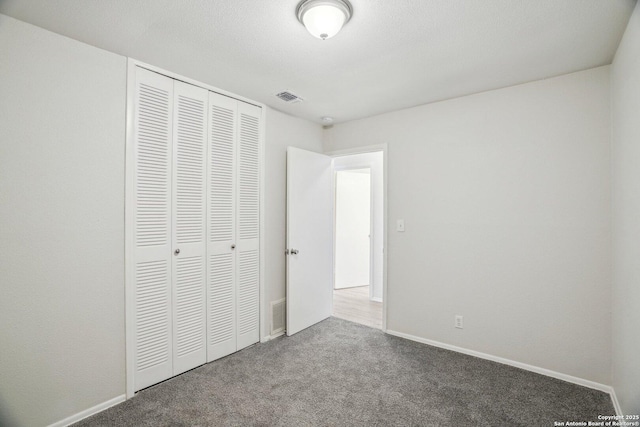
335 220
129 293
364 150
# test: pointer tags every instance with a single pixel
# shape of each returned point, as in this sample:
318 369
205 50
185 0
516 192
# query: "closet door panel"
248 202
153 111
248 297
189 224
221 235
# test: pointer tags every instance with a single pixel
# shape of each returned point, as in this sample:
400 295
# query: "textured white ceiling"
391 55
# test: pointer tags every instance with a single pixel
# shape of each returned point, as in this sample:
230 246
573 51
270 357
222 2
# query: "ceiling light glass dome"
324 18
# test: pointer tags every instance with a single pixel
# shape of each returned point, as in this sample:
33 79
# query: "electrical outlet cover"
458 322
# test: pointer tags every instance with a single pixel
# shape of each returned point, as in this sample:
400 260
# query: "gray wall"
62 133
625 78
506 201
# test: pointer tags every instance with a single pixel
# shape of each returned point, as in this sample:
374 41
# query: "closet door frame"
129 248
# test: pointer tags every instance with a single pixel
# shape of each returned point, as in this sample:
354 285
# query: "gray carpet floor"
339 373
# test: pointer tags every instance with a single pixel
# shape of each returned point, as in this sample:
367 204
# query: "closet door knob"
233 246
177 251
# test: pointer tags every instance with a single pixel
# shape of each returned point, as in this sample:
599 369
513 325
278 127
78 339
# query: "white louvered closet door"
193 269
248 244
221 271
153 112
189 225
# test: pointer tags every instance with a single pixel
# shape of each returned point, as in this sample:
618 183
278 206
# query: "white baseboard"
616 404
568 378
272 337
91 411
376 299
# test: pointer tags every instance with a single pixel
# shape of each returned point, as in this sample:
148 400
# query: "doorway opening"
358 238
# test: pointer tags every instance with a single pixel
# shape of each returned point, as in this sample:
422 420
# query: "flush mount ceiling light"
324 18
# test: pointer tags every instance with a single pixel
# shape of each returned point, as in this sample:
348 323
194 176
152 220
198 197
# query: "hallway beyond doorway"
354 304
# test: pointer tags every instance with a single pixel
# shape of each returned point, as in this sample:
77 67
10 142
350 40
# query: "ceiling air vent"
289 97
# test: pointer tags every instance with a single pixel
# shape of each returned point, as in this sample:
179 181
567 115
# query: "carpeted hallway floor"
339 373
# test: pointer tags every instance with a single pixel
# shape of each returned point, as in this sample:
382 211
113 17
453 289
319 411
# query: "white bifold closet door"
233 236
152 253
189 225
221 271
195 226
248 262
169 224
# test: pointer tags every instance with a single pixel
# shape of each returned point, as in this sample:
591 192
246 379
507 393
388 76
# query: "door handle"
177 251
294 252
233 246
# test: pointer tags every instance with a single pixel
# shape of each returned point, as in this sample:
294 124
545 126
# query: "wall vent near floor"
278 313
289 97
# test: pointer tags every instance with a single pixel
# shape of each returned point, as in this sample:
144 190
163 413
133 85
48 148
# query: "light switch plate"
400 225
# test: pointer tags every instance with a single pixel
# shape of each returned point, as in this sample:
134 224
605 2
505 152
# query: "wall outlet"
458 321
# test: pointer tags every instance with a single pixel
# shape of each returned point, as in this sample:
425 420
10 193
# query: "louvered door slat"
247 292
222 160
248 171
152 228
189 220
221 303
248 202
221 274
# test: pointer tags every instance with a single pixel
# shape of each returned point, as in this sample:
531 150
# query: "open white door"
309 239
